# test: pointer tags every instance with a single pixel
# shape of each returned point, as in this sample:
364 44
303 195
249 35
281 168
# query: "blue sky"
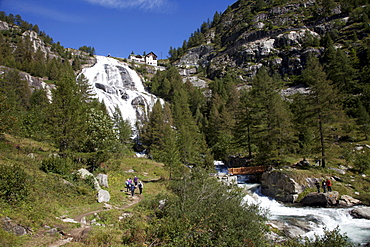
117 27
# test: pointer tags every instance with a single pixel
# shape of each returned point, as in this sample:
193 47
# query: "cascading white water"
310 221
117 85
316 219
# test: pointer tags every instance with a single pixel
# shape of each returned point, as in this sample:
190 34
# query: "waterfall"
117 85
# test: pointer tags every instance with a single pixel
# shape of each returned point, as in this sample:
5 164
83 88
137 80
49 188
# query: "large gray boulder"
103 196
361 213
84 174
103 180
321 199
280 186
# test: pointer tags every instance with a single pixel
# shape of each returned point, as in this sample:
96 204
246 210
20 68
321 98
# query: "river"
306 221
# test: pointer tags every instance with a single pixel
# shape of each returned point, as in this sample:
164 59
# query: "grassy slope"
49 197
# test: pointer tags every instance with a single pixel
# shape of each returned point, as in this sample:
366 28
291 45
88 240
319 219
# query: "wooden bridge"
248 170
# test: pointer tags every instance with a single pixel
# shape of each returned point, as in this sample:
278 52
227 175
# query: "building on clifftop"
150 58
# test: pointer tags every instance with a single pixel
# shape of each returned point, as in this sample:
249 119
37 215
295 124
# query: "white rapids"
315 218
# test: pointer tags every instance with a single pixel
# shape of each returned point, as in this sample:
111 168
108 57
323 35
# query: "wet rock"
361 213
321 199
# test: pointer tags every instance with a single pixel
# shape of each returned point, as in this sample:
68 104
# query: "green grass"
50 196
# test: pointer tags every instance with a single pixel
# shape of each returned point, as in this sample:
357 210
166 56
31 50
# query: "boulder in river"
361 213
321 199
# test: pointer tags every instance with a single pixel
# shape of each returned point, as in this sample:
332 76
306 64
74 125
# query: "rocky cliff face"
278 37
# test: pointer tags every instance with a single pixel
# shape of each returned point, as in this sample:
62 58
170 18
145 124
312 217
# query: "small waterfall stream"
305 221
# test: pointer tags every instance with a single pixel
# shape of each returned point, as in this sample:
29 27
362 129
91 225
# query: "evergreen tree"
190 141
66 115
245 124
270 118
322 103
34 121
122 127
363 120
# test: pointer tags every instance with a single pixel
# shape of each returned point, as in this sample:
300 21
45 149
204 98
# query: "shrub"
57 165
362 162
189 217
13 183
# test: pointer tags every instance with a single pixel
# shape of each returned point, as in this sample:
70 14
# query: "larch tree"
322 104
190 141
272 120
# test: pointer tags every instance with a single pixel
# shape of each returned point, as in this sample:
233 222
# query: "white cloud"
150 5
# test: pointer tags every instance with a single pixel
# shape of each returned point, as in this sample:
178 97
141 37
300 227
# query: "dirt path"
77 234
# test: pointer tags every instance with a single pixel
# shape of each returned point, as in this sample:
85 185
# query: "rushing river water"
311 221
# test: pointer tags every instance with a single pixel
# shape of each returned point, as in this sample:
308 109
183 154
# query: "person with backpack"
132 188
141 186
324 185
328 184
127 183
317 186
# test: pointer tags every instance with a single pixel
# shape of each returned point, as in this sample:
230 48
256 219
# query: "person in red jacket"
328 185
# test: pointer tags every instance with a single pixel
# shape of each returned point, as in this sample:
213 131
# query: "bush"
330 239
362 162
58 165
13 183
190 216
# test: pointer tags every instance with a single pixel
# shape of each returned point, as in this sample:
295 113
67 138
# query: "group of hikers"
326 185
131 185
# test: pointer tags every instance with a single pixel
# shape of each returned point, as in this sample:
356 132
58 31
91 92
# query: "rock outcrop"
348 201
361 213
321 199
100 180
280 186
8 225
103 180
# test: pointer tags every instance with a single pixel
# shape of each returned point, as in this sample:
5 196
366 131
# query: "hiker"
127 185
135 180
132 189
317 186
324 186
328 184
141 186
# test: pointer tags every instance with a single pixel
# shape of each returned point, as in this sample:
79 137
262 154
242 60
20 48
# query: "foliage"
57 165
362 162
329 239
189 217
14 183
88 49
